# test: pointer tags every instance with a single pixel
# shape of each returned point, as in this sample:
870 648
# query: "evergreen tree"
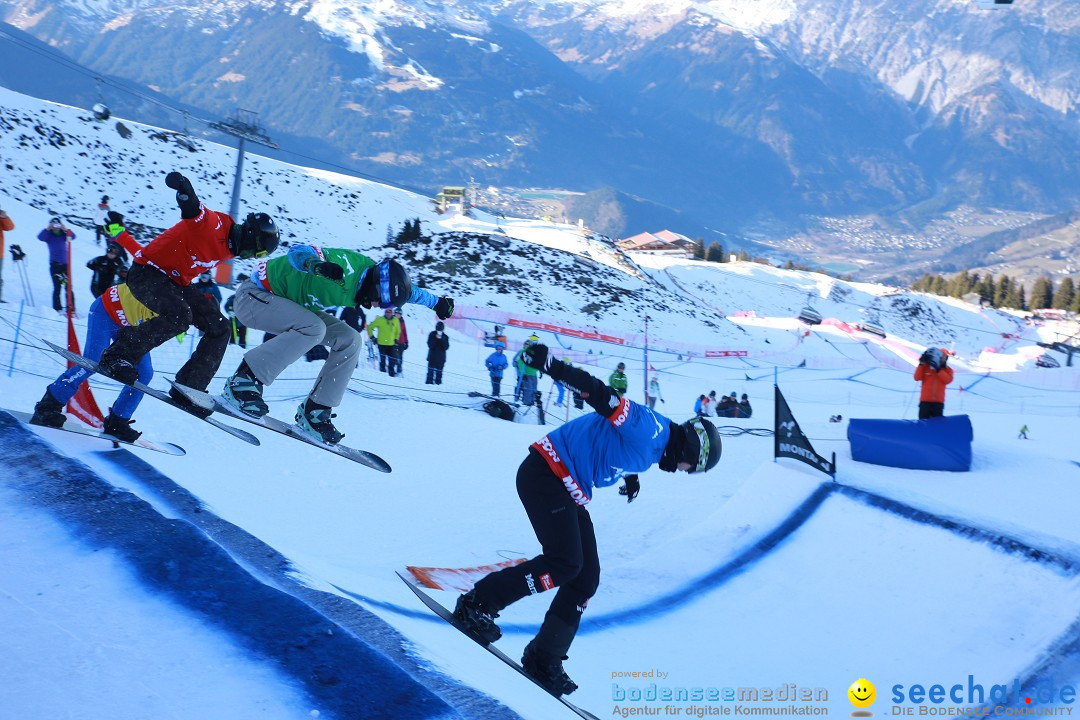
1075 307
923 284
1002 290
389 233
1014 296
959 284
742 255
699 249
940 286
1066 293
715 253
986 288
1042 293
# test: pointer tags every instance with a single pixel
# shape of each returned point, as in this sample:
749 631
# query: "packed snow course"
260 582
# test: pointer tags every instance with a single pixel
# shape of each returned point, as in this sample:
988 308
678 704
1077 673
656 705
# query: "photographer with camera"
934 373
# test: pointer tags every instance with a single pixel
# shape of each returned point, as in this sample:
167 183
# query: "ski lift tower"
245 127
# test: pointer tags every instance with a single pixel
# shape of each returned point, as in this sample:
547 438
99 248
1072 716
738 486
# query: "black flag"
789 440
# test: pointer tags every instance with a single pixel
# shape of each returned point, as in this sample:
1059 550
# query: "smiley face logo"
862 693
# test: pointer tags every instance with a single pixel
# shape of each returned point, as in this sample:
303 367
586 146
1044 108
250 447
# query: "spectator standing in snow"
206 285
6 225
934 373
496 363
101 219
106 269
402 341
654 393
617 381
529 376
438 343
385 330
239 329
57 236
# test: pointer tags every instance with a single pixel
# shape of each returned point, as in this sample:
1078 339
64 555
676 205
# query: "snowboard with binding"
220 405
448 616
80 429
146 389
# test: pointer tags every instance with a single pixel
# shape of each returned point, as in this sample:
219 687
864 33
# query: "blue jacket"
496 362
600 449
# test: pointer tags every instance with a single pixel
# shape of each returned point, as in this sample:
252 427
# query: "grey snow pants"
298 330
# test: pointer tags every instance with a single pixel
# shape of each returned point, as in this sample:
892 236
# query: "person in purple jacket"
555 482
57 236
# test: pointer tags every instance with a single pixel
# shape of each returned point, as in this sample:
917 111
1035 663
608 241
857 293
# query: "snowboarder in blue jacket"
496 363
555 482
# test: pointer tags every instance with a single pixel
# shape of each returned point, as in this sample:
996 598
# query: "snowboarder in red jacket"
160 278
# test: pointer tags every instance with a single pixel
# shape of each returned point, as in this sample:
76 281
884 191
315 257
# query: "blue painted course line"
694 590
339 672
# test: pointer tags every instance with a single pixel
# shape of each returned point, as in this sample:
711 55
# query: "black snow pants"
177 307
569 559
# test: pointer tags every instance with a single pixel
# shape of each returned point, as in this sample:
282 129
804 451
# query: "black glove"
924 359
330 270
631 488
444 308
177 182
535 356
17 253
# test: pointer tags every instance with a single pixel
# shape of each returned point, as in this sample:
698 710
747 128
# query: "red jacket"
933 382
190 247
6 225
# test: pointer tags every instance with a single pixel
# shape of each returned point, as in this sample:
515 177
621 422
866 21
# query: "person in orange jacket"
6 225
934 373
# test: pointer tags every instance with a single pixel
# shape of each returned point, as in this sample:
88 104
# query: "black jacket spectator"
106 269
438 343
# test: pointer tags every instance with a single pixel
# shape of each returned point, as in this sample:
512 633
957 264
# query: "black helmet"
702 447
256 237
387 284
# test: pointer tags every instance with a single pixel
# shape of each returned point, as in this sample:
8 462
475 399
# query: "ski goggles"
384 285
696 450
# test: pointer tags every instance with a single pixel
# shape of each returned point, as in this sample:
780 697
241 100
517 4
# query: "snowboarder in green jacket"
289 296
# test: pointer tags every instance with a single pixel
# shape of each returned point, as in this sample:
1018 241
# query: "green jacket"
618 382
315 292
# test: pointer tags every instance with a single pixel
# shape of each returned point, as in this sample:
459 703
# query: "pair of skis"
208 402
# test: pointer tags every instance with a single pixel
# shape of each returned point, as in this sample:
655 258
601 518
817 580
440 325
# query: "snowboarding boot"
315 420
48 412
475 619
244 391
119 369
120 428
547 670
185 402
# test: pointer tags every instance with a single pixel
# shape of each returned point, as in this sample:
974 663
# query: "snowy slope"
756 574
